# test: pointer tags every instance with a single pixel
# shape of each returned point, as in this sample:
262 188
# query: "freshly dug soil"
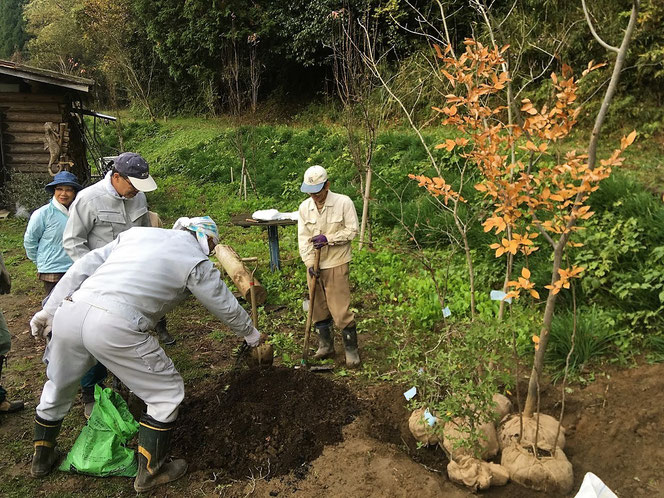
388 415
262 421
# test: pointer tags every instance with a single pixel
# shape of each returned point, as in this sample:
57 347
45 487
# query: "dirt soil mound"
272 420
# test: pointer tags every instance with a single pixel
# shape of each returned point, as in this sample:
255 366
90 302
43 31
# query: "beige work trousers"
333 296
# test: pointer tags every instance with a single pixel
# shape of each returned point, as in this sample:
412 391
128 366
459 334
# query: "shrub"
25 192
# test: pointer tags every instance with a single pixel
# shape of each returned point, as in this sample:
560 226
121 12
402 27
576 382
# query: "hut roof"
45 76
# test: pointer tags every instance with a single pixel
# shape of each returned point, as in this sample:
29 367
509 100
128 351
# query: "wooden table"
245 220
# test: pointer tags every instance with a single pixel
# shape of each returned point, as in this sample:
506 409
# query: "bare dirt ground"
284 432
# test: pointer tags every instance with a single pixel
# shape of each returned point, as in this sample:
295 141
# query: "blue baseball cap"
63 179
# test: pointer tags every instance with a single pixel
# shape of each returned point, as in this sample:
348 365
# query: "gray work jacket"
136 279
98 215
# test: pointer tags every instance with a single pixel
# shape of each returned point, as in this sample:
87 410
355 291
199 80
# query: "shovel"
262 355
252 290
310 314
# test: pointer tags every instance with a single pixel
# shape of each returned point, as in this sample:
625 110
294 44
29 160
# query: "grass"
594 339
22 270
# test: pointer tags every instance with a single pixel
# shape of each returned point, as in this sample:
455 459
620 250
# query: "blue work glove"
313 273
319 241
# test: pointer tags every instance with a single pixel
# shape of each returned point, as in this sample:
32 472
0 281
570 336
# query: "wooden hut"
41 122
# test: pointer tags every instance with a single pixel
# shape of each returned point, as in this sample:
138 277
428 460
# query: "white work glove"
41 324
253 339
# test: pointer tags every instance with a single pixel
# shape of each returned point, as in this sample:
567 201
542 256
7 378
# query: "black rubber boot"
88 398
46 453
7 406
325 340
154 467
349 335
162 333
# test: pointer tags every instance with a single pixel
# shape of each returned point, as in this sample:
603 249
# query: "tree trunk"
560 246
531 400
471 272
365 206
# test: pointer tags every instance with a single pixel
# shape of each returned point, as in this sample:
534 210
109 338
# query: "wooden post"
235 269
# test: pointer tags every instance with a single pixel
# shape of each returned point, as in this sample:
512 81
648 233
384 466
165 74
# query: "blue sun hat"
203 226
63 179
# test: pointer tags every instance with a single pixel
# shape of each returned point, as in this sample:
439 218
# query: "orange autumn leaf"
628 140
496 222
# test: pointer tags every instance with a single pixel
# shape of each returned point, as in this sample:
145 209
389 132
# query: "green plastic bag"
100 448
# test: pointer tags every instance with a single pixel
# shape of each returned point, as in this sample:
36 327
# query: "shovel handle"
310 311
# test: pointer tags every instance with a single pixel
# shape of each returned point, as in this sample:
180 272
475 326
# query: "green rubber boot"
349 335
46 453
154 467
325 340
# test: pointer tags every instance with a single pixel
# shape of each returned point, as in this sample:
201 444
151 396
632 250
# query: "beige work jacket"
337 220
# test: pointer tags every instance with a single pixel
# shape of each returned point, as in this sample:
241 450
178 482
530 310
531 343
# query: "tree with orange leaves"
531 193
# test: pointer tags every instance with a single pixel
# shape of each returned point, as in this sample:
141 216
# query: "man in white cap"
104 210
104 307
328 222
97 216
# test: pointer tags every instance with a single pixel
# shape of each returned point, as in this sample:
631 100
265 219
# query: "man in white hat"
328 221
104 307
97 216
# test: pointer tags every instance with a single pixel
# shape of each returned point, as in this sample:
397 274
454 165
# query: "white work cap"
314 180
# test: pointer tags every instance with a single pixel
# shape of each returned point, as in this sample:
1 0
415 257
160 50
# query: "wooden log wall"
24 115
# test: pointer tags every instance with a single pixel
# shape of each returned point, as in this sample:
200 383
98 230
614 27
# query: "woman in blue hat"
43 237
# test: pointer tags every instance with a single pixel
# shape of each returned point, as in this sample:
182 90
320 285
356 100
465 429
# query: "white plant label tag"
498 295
410 393
431 420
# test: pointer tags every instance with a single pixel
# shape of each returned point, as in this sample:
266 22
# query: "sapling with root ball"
534 194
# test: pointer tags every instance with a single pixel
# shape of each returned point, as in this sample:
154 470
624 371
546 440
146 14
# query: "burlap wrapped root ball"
477 474
551 474
457 430
502 406
420 428
546 437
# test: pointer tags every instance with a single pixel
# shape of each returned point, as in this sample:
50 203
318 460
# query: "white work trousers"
84 334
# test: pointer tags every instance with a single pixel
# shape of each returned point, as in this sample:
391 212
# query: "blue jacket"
43 240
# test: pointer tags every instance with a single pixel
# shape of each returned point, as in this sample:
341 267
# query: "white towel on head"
202 226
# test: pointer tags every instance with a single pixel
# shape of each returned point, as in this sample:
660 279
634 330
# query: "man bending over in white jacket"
103 308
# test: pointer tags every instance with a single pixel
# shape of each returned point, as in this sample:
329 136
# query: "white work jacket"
98 215
145 273
337 220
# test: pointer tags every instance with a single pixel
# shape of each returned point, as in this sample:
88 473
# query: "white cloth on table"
273 215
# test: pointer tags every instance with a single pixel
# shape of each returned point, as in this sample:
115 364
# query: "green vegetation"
394 294
165 57
12 28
